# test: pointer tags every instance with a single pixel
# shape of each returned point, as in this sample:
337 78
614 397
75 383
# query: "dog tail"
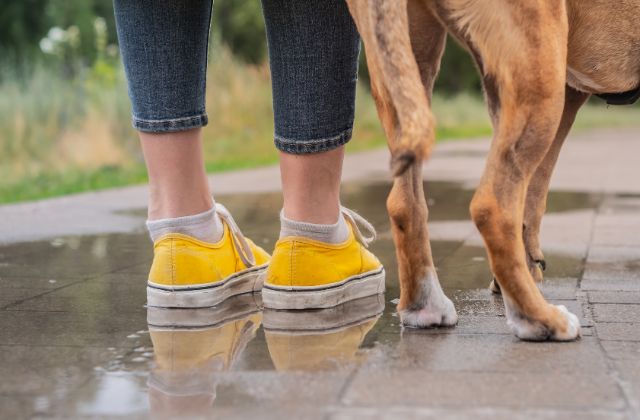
415 123
414 144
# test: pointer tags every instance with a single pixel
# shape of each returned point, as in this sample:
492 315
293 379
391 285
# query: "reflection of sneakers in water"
189 273
320 339
191 347
305 273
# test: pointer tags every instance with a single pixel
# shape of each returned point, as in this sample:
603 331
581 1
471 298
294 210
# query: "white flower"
46 46
57 34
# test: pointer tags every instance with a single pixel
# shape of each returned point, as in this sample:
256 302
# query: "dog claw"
495 287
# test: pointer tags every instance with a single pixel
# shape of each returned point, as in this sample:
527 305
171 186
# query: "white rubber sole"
322 297
206 295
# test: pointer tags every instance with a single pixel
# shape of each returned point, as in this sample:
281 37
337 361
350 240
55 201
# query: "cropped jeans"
313 54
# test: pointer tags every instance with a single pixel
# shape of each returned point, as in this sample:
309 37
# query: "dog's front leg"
530 73
536 201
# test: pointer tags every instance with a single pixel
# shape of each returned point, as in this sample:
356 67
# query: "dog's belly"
583 82
604 45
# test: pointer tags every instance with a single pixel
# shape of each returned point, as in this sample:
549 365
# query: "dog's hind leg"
536 202
402 71
528 64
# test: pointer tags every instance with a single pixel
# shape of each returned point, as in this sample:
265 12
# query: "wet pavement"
76 340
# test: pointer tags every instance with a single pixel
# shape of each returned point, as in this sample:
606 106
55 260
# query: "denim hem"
301 147
170 125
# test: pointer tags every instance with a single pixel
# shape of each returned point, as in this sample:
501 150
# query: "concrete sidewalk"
77 342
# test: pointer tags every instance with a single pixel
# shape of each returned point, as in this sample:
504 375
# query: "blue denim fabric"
313 53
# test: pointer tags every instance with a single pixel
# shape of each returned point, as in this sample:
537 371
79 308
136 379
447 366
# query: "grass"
60 136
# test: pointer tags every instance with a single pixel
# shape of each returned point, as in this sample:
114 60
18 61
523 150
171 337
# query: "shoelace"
244 250
246 254
355 219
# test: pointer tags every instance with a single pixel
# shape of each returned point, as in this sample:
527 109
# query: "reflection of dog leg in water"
321 339
539 62
191 347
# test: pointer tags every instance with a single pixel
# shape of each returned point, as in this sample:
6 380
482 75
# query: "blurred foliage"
238 24
457 71
24 23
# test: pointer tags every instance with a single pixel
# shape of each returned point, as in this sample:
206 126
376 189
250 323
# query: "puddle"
88 293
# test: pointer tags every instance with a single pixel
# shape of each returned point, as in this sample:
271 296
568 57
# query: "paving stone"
46 370
623 331
614 297
616 282
618 235
615 312
559 288
479 413
108 395
612 268
277 388
487 353
618 223
23 285
623 351
578 391
275 412
10 296
107 294
32 328
19 406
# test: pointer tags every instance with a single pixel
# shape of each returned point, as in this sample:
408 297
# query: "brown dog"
539 60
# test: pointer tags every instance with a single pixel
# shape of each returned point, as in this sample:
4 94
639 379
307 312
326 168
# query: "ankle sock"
333 234
205 226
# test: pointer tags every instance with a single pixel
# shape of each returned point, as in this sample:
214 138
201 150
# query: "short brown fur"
539 61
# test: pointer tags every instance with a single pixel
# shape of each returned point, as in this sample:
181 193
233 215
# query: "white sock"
206 226
332 234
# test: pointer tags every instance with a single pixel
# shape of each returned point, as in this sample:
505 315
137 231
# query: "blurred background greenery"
65 116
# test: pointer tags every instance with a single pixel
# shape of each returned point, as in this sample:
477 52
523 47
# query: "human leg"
313 52
200 255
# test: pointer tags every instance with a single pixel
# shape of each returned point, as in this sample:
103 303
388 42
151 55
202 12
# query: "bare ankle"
165 207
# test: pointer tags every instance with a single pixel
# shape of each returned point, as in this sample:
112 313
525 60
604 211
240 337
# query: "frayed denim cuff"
170 125
302 147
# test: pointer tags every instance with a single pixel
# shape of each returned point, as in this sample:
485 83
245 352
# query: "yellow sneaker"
189 273
305 273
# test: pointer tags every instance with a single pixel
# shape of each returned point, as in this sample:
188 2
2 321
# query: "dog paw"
431 308
529 330
572 331
428 317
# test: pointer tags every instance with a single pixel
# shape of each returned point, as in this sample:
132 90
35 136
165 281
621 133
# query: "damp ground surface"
76 340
